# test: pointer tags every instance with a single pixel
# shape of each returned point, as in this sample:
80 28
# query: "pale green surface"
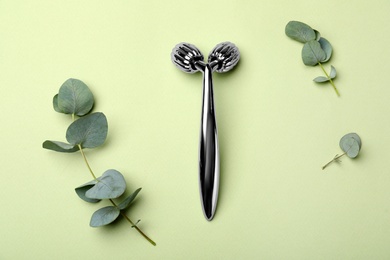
277 128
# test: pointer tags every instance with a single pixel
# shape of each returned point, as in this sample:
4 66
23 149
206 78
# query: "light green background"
276 128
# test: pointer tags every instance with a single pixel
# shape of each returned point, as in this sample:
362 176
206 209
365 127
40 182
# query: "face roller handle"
208 148
221 59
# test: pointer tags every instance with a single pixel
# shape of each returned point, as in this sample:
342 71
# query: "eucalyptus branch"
113 203
316 49
89 130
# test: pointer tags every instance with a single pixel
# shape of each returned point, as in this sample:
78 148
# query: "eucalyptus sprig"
316 49
89 130
350 144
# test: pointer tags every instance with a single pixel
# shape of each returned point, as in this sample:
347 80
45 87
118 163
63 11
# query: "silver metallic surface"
185 56
224 57
189 59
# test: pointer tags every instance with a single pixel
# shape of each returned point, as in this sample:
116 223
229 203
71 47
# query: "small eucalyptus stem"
86 161
134 226
334 159
113 203
330 79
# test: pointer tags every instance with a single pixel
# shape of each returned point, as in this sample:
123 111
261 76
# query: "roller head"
224 57
185 55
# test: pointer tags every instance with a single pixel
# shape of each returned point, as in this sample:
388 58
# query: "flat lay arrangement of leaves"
316 49
350 144
89 130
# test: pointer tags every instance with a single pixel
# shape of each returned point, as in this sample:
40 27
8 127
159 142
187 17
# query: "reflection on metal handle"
208 147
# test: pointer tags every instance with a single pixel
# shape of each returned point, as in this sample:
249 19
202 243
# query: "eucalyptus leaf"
321 79
355 136
89 131
104 216
55 104
318 35
351 144
333 72
109 186
81 190
327 47
126 203
312 53
351 147
300 31
59 146
74 97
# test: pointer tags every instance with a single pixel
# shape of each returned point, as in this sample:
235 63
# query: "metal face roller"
189 59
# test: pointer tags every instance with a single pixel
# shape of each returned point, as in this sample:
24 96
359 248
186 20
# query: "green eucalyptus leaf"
74 97
104 216
109 186
300 31
81 191
89 131
126 203
354 136
55 104
318 35
333 72
321 79
312 53
327 47
351 144
59 146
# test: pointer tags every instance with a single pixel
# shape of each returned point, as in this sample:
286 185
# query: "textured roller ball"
224 57
185 55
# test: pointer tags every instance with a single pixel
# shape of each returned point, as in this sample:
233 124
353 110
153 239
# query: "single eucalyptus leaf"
126 203
351 144
59 146
333 72
354 136
300 31
351 147
312 53
109 186
321 79
318 35
81 190
327 47
75 97
104 216
89 131
55 104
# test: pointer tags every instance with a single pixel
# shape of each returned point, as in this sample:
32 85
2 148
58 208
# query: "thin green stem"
134 225
83 154
334 159
330 79
86 161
